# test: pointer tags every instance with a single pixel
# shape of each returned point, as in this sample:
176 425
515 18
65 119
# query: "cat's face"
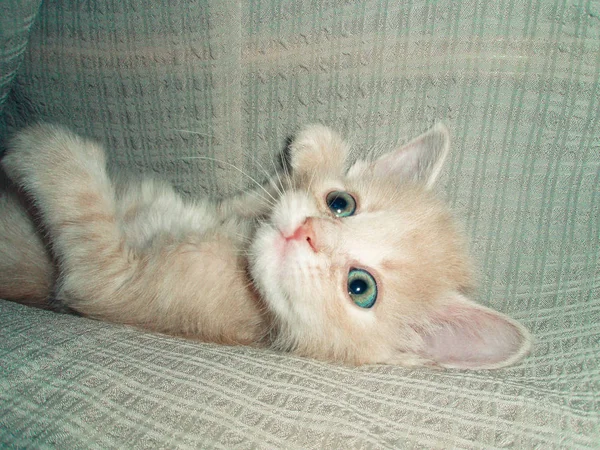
365 266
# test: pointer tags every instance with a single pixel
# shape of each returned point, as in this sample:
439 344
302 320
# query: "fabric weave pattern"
516 83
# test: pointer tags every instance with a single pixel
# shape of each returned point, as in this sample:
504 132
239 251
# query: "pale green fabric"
158 82
16 19
68 382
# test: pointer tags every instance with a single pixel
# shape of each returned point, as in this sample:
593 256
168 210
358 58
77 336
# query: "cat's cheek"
362 317
278 247
263 257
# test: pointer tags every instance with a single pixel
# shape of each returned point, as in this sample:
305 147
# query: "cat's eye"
362 288
341 203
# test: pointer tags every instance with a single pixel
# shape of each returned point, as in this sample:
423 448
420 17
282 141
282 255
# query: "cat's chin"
283 263
269 253
287 253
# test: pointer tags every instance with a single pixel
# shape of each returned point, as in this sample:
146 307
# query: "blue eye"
341 203
362 288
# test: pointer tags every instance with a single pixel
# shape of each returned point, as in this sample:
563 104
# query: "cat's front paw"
45 154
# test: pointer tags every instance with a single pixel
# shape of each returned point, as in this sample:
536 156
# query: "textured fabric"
67 382
16 19
160 82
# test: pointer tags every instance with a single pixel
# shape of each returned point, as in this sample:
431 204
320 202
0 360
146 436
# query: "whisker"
198 133
288 174
242 237
312 178
259 195
280 188
270 177
234 167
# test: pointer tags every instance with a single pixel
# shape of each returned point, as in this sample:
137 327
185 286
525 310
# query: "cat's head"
364 265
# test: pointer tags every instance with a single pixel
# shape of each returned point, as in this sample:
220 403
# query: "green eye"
341 203
362 288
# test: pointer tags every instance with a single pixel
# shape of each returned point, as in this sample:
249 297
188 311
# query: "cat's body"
358 265
135 253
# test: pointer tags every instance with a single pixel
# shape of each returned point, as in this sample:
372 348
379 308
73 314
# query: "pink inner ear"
469 336
420 160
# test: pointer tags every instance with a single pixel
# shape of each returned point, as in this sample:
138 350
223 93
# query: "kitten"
357 265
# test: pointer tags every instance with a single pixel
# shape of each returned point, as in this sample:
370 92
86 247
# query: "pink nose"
305 232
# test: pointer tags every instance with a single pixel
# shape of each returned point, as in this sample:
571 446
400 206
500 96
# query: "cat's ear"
317 149
420 160
462 334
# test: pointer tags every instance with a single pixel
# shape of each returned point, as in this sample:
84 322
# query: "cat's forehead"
370 247
374 194
377 238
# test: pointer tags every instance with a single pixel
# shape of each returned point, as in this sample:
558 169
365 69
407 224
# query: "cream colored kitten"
359 265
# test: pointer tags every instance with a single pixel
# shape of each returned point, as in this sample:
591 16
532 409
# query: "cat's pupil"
339 204
357 287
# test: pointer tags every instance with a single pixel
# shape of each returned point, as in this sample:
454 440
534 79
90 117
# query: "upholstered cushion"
68 382
16 20
158 83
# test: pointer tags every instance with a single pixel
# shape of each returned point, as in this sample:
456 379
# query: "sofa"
159 83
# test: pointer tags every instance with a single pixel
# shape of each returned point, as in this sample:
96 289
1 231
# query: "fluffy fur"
270 267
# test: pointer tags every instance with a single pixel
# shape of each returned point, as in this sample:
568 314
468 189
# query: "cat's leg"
65 176
179 282
26 270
